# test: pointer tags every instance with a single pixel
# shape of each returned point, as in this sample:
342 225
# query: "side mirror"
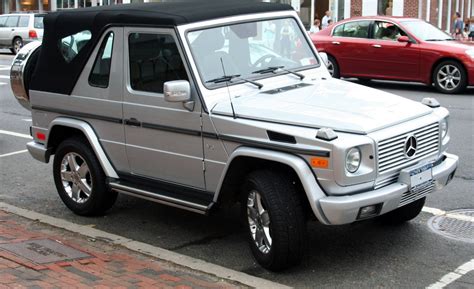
177 91
404 39
324 57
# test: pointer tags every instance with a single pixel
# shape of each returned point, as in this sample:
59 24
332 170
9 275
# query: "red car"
396 48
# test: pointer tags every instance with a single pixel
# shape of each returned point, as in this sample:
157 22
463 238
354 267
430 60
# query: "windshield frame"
256 77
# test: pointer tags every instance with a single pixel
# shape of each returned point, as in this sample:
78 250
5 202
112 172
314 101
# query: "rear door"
23 27
3 29
163 139
390 58
348 46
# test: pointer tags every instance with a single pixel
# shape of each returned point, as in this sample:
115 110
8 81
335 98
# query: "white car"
19 29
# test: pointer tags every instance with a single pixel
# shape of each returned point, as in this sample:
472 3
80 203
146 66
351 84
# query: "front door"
392 59
163 139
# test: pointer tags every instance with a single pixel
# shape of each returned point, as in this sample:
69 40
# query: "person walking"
458 26
325 20
471 29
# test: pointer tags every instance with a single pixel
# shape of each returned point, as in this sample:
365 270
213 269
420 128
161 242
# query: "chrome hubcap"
76 177
330 68
448 77
259 222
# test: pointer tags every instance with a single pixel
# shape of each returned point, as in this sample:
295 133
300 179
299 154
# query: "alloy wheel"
259 222
330 67
448 77
76 177
17 44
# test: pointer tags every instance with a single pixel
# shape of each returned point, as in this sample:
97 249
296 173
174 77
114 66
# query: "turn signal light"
32 34
321 163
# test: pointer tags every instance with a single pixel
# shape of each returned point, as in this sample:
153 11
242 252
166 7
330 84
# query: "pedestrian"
471 29
458 26
315 27
325 20
285 39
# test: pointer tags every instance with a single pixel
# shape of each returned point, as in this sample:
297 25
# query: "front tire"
274 216
17 44
450 77
404 214
80 180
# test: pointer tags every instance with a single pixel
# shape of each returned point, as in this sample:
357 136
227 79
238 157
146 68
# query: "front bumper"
345 209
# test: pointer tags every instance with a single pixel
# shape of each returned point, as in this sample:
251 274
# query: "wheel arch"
438 61
246 159
62 128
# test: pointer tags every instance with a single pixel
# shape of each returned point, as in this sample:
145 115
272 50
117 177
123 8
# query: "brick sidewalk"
36 255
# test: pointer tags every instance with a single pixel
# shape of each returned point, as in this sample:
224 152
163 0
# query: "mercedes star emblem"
410 146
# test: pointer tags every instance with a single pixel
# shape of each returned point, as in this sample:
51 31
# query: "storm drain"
458 225
44 251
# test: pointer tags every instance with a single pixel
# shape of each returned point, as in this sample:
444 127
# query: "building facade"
438 12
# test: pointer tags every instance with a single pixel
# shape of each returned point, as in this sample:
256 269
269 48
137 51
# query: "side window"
387 31
24 21
12 21
3 19
154 59
101 70
338 31
71 45
357 29
38 23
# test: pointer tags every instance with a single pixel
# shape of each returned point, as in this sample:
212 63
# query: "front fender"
305 174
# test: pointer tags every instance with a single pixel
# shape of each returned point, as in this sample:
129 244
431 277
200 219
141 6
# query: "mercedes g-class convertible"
202 106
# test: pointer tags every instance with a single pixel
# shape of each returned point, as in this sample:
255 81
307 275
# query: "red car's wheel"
333 67
450 77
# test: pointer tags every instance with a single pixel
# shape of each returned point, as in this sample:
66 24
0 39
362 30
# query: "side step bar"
163 198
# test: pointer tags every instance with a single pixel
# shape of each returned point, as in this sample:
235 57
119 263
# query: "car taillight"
32 34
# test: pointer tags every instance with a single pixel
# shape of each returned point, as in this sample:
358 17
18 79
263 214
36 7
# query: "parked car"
179 106
396 48
19 29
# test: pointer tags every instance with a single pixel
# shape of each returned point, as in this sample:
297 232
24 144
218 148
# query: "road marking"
3 83
5 68
26 119
143 248
5 76
453 276
15 134
438 212
13 153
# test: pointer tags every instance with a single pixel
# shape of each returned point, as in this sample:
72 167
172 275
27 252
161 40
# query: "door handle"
336 42
13 29
377 46
133 122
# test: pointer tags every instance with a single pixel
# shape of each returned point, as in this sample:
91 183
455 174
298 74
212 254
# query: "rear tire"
80 180
333 67
17 44
404 214
450 77
274 217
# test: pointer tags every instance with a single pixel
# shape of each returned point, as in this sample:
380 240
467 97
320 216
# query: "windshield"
425 31
244 49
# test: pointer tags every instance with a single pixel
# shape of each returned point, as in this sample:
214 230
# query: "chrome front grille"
391 151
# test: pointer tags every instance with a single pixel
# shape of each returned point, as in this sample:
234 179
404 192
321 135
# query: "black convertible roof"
53 74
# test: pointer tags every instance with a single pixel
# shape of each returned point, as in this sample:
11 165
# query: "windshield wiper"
447 39
275 68
229 78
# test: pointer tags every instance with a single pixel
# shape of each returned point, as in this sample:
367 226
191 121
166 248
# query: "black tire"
404 214
17 44
333 63
101 198
287 223
444 87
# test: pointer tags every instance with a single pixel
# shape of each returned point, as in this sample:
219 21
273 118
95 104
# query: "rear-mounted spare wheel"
22 70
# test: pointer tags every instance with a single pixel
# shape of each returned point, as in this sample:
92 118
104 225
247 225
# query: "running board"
163 197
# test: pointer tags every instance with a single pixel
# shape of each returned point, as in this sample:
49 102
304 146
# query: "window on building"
100 73
71 45
12 21
154 59
24 21
385 7
357 29
387 31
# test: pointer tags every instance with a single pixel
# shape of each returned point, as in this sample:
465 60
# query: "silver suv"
204 107
19 29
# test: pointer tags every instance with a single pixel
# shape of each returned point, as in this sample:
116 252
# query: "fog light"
369 211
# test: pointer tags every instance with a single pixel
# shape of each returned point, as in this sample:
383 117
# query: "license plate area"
417 177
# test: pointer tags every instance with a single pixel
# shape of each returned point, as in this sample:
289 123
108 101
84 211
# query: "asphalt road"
361 255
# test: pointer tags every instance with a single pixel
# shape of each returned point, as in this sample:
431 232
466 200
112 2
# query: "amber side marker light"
318 162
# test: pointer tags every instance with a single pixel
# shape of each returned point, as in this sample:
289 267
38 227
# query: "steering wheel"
264 60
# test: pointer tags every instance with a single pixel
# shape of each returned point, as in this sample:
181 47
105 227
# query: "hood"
332 103
454 44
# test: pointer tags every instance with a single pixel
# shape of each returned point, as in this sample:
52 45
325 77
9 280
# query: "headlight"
470 52
443 127
353 158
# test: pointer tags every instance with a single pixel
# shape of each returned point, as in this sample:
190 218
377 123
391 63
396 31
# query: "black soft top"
54 74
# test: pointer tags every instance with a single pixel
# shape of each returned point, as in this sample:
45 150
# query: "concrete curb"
160 253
